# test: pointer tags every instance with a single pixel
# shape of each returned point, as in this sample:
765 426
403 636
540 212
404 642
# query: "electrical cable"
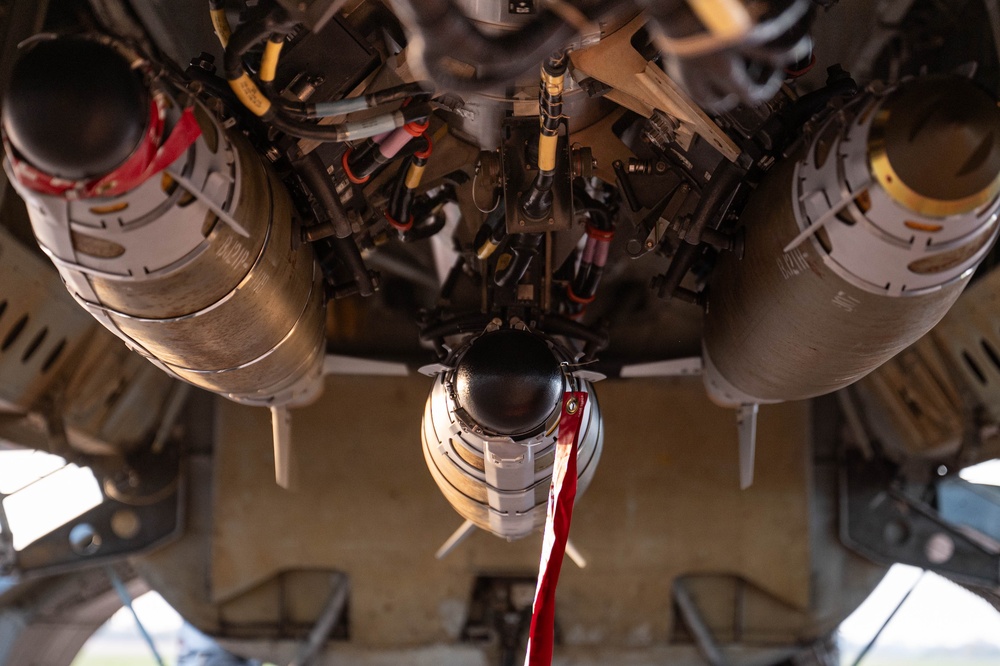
537 202
353 130
269 61
272 24
761 33
220 22
367 101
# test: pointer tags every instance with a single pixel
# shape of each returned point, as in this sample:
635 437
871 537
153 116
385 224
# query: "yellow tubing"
547 152
221 25
269 61
251 96
414 175
726 19
553 84
486 249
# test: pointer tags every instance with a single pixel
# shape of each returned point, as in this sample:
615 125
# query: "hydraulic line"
596 340
351 131
313 173
348 253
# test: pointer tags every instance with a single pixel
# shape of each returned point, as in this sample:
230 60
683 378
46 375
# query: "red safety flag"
151 156
562 495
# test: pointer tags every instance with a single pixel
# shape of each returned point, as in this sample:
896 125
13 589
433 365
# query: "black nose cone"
509 382
74 108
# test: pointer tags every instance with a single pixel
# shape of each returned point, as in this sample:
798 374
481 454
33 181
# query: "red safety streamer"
562 495
151 156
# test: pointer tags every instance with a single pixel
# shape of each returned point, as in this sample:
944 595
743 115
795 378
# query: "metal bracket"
500 614
518 172
643 87
886 523
718 612
124 524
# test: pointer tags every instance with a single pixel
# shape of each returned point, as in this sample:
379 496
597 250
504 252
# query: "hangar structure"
336 299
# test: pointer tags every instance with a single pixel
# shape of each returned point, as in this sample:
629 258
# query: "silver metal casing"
838 275
499 483
196 270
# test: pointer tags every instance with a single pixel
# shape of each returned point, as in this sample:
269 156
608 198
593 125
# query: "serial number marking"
846 302
792 263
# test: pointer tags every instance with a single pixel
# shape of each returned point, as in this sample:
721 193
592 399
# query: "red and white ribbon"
562 495
150 157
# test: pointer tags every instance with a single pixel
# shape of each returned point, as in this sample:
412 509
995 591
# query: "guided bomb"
170 230
857 246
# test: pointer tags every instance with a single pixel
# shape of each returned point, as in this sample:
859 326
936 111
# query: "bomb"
166 227
858 245
490 427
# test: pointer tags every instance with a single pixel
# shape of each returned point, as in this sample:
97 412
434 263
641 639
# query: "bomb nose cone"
74 108
935 146
509 382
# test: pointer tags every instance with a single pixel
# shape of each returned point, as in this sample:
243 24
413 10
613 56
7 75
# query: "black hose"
596 341
314 175
523 250
268 20
348 252
401 197
469 323
218 87
428 226
537 202
491 233
725 179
